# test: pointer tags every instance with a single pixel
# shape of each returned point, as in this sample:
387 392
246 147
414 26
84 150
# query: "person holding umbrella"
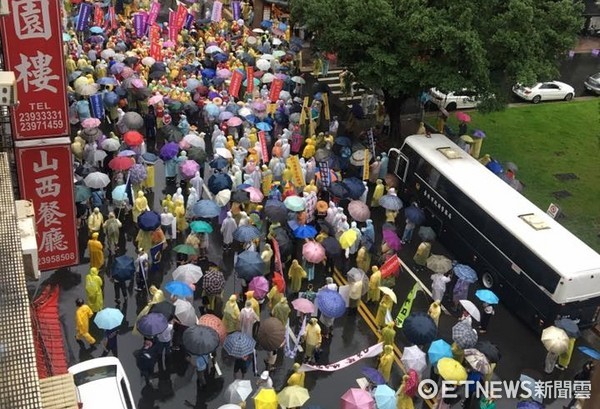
385 306
145 360
438 287
110 342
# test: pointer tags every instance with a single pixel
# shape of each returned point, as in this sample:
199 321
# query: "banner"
371 141
366 165
139 23
276 87
249 79
112 18
181 15
98 16
189 19
156 256
236 9
97 106
155 51
153 14
217 11
370 352
33 50
154 35
304 110
326 110
278 268
236 83
173 26
46 179
325 173
263 147
83 18
293 162
407 306
390 267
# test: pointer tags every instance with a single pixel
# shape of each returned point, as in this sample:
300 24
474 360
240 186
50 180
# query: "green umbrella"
197 154
200 226
186 249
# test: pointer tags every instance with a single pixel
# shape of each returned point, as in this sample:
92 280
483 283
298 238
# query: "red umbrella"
214 322
133 138
120 163
461 116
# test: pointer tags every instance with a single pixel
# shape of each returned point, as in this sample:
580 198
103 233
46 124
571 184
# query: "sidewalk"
586 45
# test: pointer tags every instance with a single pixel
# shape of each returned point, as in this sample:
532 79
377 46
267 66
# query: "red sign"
390 267
32 45
155 53
235 84
98 16
263 146
46 178
180 18
276 87
249 80
154 35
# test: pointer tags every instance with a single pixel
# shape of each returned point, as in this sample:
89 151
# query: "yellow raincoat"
374 293
435 310
282 311
157 296
168 203
255 304
297 378
140 205
386 360
93 290
312 337
96 252
385 304
377 193
363 259
274 296
82 323
180 216
231 315
388 334
403 401
149 182
296 273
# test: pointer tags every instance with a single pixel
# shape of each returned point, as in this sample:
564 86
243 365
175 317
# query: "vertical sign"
153 14
85 12
366 165
139 23
217 10
326 110
297 177
33 49
303 112
46 178
276 87
181 16
407 306
173 26
112 18
324 172
249 79
235 83
371 141
263 147
97 106
236 9
189 19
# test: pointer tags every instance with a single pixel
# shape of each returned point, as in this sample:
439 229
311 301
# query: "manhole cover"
561 194
563 177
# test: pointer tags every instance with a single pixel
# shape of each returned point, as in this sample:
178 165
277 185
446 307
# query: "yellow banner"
407 306
366 165
326 106
294 164
271 108
304 110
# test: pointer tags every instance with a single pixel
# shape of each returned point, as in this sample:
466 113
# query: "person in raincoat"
377 193
227 228
296 274
140 205
363 258
149 182
404 401
296 378
179 214
255 304
388 334
266 256
248 318
274 296
281 311
157 296
95 221
386 360
93 290
422 253
374 293
435 310
96 251
231 315
111 229
82 323
312 340
460 292
385 305
564 359
355 294
438 287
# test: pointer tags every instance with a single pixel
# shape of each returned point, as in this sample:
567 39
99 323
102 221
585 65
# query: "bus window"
402 167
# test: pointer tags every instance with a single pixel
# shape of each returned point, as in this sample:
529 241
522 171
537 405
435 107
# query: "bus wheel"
488 280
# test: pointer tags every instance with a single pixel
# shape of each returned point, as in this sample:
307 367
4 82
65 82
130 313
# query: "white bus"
537 267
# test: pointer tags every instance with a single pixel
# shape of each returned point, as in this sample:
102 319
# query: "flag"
407 306
155 256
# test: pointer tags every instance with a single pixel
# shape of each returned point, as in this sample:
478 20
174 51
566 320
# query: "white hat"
265 375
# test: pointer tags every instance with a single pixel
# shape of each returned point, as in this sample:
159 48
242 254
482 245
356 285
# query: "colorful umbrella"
373 375
462 271
356 398
390 202
108 318
592 353
133 138
463 117
555 340
464 335
127 153
110 145
185 249
120 163
256 195
91 123
152 324
295 203
478 133
200 340
419 328
391 239
194 140
477 360
138 173
414 358
189 168
206 208
439 264
179 289
359 211
238 391
385 397
260 286
451 370
200 226
213 282
82 193
487 296
148 221
266 398
439 349
331 303
215 323
234 121
169 151
246 233
313 252
303 305
271 334
293 396
187 273
238 345
305 231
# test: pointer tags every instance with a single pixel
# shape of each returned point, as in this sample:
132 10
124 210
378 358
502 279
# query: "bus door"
398 164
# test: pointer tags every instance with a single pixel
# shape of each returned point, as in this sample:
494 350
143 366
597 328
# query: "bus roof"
556 245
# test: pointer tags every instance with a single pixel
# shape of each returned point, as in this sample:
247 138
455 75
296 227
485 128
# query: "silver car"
592 83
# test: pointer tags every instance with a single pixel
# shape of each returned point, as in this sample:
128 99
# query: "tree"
406 46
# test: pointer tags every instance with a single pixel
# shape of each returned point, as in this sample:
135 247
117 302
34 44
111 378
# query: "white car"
454 100
545 91
102 383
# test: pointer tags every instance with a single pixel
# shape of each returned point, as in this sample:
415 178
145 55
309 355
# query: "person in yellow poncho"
363 258
274 296
296 274
385 305
179 214
140 205
297 378
255 305
157 296
386 360
377 192
374 293
388 334
312 339
281 311
82 322
169 204
403 401
435 310
231 315
96 250
93 290
95 221
149 181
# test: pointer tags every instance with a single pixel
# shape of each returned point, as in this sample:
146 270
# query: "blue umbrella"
263 126
120 193
74 75
152 324
592 353
149 221
338 189
276 210
169 151
385 397
219 163
343 141
439 349
238 345
249 265
219 182
107 81
66 37
123 268
355 186
246 233
495 167
305 232
373 375
179 289
251 118
266 24
465 272
569 326
331 303
111 99
419 328
414 214
82 193
209 73
108 318
96 30
390 202
487 296
206 208
220 57
150 158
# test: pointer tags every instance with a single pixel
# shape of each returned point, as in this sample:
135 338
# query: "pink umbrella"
313 252
256 195
155 99
184 145
260 286
303 305
90 123
359 211
127 72
234 121
168 43
392 239
138 83
189 168
356 398
223 73
461 116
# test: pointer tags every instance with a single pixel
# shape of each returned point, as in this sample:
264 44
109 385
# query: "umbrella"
414 214
293 396
478 133
359 211
348 238
332 246
271 334
338 189
120 193
331 303
169 151
234 121
390 202
165 308
305 232
260 286
222 198
313 252
187 273
298 80
276 211
155 99
224 153
356 398
82 193
426 233
127 153
385 397
185 249
215 323
419 328
91 134
451 370
179 289
295 203
218 182
200 226
487 296
490 350
200 340
263 126
197 154
266 398
99 155
355 186
464 272
391 239
390 293
592 353
148 221
511 166
471 309
343 141
213 282
189 168
303 305
194 140
240 196
249 265
206 208
414 358
152 324
238 345
246 233
133 138
96 180
263 64
110 144
373 375
464 335
439 264
120 163
123 268
132 120
462 117
184 311
238 391
138 173
569 326
478 361
256 195
108 318
90 123
439 349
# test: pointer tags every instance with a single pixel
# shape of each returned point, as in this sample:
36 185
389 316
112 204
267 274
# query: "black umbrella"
213 282
276 211
285 242
197 154
219 182
165 308
85 170
240 196
324 227
156 75
355 187
249 265
490 350
219 163
158 66
419 328
200 340
123 268
332 247
338 189
170 133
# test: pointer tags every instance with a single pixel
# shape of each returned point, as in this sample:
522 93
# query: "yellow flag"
366 165
271 108
294 164
304 109
326 106
407 306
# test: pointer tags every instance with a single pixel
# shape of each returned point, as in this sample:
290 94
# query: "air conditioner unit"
8 88
4 8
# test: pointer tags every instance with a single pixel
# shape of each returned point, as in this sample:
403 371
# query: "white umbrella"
267 78
111 144
555 340
298 80
390 293
194 140
188 273
263 64
414 358
276 41
268 57
99 155
213 49
238 391
148 61
108 53
223 197
184 311
224 153
96 180
258 30
471 309
88 89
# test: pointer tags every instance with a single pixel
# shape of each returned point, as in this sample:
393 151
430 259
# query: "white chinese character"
542 389
36 71
582 389
44 163
32 19
47 186
562 389
49 213
53 240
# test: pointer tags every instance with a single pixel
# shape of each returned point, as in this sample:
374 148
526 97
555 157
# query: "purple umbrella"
189 168
373 375
117 68
169 151
479 134
224 73
331 303
225 115
138 173
414 214
152 324
392 239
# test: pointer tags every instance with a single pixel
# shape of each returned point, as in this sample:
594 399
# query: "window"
125 390
94 374
402 167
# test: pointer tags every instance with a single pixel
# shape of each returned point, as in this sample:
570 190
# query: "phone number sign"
46 178
33 50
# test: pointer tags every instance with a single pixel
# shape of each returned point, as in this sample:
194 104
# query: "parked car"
454 100
592 83
102 383
545 91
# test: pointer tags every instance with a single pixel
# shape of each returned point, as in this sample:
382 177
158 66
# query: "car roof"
96 363
101 394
